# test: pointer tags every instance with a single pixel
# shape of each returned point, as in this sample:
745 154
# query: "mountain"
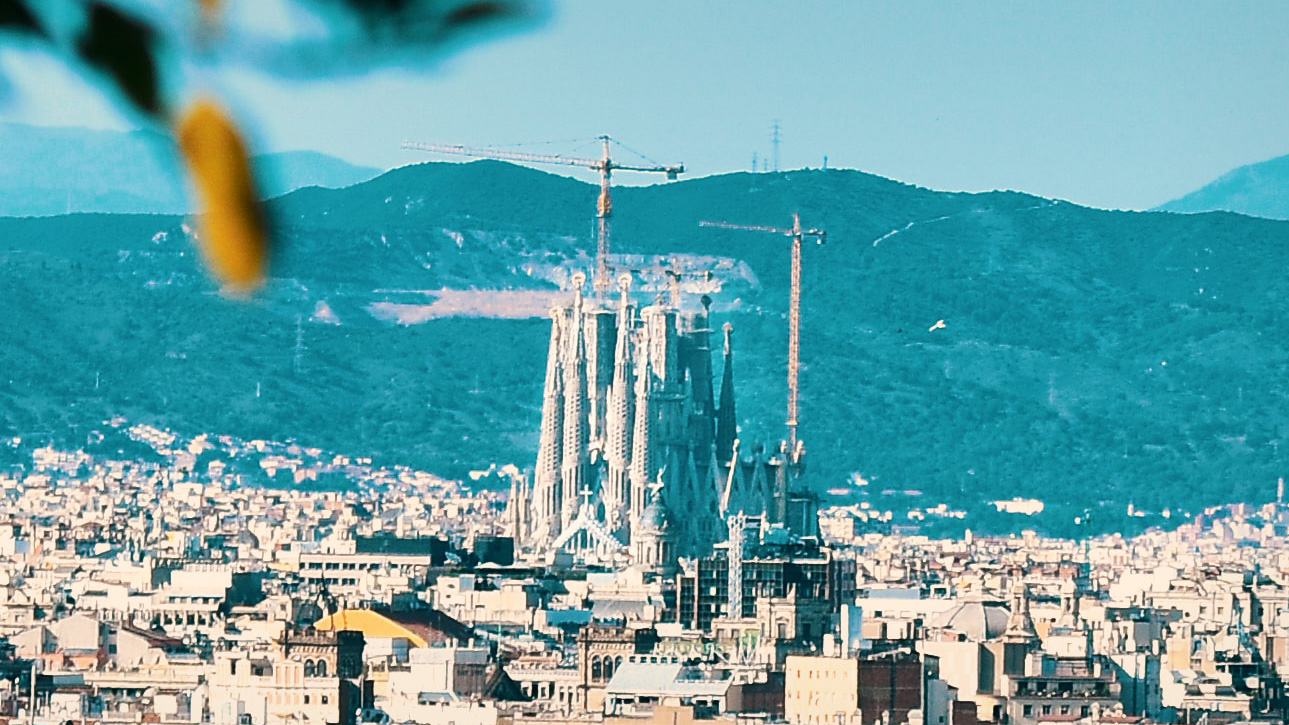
1088 358
286 171
46 171
1260 189
58 170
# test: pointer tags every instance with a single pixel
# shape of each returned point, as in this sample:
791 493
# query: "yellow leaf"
209 8
232 234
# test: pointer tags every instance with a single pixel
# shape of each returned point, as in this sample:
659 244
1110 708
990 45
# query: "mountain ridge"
1259 189
1090 358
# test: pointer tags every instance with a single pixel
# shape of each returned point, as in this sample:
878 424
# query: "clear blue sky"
1112 104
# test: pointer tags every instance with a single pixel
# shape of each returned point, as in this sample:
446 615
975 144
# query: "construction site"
640 461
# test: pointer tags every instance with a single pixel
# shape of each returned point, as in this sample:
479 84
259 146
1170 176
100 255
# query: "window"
306 699
309 668
1028 711
322 668
324 699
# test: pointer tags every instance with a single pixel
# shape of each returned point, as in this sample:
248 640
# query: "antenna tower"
775 137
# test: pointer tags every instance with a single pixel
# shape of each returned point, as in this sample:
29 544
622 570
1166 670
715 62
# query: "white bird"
939 325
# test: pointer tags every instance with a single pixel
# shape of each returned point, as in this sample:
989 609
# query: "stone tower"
629 407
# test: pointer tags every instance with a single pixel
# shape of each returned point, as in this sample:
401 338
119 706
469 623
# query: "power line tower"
775 137
605 165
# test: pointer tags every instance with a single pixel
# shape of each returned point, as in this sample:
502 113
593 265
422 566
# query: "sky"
1109 104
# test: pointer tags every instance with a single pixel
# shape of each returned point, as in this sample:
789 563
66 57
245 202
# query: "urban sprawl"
651 568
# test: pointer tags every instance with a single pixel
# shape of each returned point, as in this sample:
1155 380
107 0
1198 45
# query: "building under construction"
639 461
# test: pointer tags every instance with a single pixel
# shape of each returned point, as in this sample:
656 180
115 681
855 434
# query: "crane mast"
605 165
603 207
797 234
794 331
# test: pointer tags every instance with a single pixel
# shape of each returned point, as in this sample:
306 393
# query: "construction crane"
605 165
797 234
672 271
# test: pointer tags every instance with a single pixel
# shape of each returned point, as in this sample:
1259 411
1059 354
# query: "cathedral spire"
546 478
619 419
576 434
641 469
726 420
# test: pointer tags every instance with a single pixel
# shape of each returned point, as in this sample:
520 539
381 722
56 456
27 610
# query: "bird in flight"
939 325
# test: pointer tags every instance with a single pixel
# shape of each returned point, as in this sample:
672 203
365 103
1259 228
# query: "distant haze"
46 171
1114 105
1257 190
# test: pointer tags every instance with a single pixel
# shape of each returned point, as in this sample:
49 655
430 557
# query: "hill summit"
1087 358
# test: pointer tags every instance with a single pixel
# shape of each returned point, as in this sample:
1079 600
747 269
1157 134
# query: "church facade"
639 460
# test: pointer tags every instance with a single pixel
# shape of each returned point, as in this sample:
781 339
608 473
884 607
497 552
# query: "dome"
308 613
654 517
978 621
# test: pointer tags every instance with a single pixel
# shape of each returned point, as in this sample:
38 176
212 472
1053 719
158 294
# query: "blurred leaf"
15 15
427 20
210 11
121 46
232 233
471 13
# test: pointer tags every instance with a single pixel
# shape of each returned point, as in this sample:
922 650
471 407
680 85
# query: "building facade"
632 431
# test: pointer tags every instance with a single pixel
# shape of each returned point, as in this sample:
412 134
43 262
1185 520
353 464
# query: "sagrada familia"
639 463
